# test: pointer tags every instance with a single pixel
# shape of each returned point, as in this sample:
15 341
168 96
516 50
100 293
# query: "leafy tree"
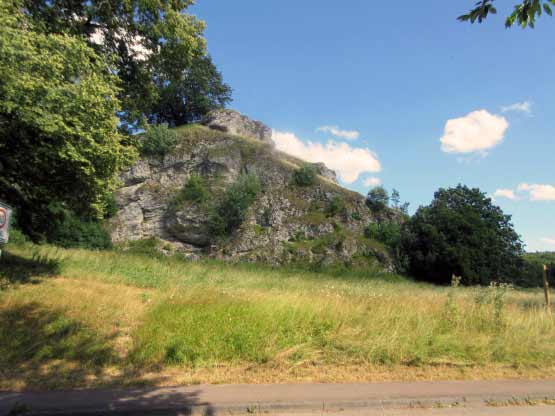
153 46
59 139
461 232
187 100
395 199
524 13
377 199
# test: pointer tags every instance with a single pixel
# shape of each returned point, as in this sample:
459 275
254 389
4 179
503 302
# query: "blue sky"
401 92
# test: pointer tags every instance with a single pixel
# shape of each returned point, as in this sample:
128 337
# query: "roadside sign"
5 217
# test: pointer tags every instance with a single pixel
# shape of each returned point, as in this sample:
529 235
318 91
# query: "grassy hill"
76 318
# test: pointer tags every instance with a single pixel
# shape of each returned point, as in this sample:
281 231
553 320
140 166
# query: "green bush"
17 237
336 206
111 206
68 230
387 233
306 175
195 190
230 212
158 140
390 234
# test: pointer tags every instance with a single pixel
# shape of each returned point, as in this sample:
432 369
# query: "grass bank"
78 318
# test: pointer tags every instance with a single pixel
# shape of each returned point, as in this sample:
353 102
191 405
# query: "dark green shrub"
390 234
336 206
158 140
231 210
68 230
387 233
195 190
17 237
306 175
111 206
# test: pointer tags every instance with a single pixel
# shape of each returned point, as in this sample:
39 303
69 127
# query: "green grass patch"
207 328
205 316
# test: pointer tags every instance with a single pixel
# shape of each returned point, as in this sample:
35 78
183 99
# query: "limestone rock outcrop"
286 224
233 122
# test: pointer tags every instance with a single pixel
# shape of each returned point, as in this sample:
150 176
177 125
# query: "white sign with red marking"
5 216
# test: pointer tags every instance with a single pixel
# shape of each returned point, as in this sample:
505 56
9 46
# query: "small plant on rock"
336 206
306 175
158 140
195 190
232 209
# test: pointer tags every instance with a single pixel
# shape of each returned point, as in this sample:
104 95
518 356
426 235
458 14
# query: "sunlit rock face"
286 224
233 122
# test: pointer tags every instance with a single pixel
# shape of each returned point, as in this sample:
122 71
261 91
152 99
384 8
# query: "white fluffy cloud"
524 107
505 193
548 241
349 162
537 192
476 132
337 132
372 181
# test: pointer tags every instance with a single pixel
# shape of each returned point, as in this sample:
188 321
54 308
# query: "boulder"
233 122
190 225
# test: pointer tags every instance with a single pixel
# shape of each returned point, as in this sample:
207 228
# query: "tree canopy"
377 199
59 139
524 14
462 233
189 98
155 48
73 75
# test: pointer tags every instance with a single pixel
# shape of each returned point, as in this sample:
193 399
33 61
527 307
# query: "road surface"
424 398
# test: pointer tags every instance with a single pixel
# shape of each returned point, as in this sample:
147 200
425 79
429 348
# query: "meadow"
80 318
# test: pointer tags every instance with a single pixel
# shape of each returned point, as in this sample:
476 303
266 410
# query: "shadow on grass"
16 269
41 349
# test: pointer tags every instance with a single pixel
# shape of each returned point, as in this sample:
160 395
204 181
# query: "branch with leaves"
524 13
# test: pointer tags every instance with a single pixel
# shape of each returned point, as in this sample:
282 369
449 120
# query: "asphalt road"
428 398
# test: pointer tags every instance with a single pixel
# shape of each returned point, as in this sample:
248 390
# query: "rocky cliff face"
287 223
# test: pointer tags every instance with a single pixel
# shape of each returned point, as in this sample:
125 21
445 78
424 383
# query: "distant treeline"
538 260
